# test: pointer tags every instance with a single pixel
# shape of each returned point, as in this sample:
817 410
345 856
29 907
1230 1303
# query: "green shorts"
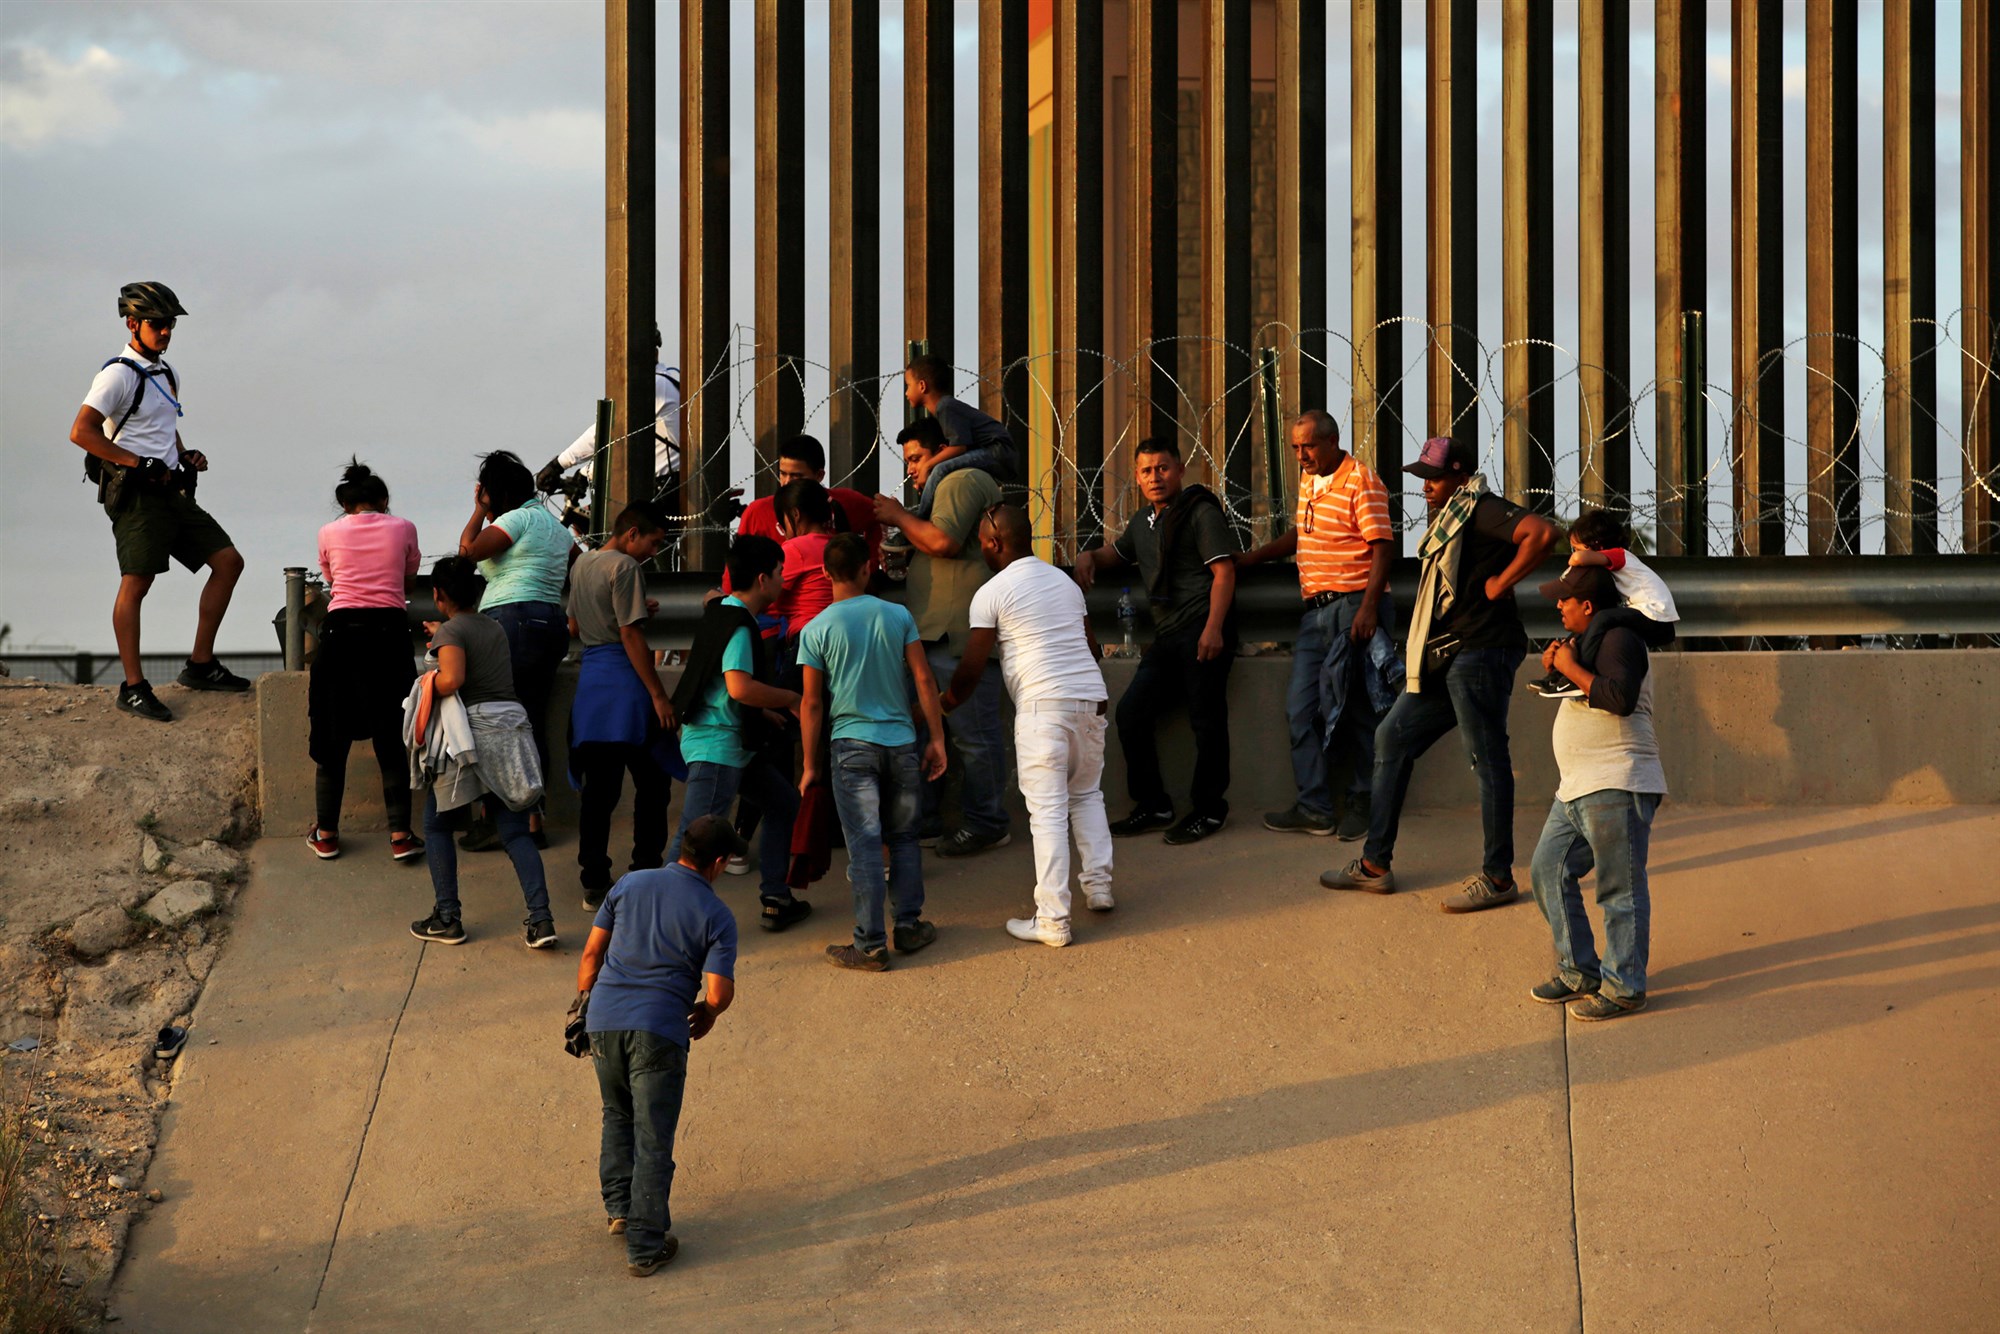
158 524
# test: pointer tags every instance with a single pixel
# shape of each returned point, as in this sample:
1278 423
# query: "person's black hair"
1011 523
359 485
932 371
1600 530
509 485
846 557
708 839
807 499
641 516
459 579
804 449
924 431
1158 444
751 557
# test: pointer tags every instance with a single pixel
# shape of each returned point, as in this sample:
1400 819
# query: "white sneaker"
738 866
1101 900
1034 928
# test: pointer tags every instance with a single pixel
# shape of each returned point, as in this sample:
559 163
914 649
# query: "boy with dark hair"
971 438
1600 538
619 721
657 970
860 656
733 734
803 459
1186 556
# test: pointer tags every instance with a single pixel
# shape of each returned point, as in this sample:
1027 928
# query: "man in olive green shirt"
945 571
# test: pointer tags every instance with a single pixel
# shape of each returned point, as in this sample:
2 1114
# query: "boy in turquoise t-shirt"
863 654
732 729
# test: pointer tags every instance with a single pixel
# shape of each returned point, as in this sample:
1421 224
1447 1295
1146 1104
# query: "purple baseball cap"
1442 456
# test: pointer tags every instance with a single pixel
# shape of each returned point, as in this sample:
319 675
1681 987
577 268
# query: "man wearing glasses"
1345 674
146 482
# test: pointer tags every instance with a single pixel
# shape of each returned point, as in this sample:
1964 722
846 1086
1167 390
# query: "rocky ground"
118 865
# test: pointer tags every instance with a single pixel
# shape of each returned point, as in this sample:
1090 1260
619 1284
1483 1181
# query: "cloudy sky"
386 220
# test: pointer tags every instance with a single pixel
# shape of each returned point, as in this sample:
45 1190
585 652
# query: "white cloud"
558 138
46 100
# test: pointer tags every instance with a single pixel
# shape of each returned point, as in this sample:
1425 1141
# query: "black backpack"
93 467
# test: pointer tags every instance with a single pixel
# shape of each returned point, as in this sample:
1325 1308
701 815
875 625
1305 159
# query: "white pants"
1060 753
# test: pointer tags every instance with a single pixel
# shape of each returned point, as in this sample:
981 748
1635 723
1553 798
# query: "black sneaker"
910 939
139 700
211 675
1196 828
593 896
644 1266
1555 991
443 930
541 934
963 843
1556 686
1354 820
1141 822
1299 820
778 916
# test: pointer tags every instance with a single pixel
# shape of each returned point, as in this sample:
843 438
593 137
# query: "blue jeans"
1333 695
711 789
999 462
1608 830
878 792
1478 686
976 734
641 1078
441 854
537 642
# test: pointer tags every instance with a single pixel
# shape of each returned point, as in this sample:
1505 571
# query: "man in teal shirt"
863 654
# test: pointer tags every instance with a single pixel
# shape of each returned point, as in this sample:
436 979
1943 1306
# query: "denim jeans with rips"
1608 831
878 792
1478 687
640 1078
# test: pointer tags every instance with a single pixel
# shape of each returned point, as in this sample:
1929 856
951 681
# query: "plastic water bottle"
1128 619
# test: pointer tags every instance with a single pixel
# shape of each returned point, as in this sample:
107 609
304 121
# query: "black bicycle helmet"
148 301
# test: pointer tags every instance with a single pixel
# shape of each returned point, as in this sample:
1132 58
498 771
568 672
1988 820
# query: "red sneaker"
405 847
324 843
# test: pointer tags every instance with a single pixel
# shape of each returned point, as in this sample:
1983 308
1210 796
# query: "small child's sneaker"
1556 686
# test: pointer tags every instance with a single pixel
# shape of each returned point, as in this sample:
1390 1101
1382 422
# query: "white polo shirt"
1038 611
153 428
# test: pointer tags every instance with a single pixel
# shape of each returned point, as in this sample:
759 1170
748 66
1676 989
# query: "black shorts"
159 524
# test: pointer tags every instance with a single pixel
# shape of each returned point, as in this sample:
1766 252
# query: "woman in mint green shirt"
524 553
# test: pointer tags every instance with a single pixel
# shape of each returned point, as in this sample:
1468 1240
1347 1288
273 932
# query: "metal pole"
1680 258
1833 354
929 208
781 225
1269 386
1604 251
1079 291
1377 240
1003 218
1979 297
1694 433
854 239
629 245
1527 220
295 618
1451 137
1757 287
600 472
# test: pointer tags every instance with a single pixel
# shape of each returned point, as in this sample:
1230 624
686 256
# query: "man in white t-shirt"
129 424
1035 615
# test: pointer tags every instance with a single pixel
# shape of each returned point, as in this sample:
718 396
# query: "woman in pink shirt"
366 661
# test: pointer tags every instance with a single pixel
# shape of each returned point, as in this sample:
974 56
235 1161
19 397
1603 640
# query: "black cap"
148 301
1591 583
1442 456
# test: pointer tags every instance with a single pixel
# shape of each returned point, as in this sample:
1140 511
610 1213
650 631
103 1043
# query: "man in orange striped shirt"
1345 672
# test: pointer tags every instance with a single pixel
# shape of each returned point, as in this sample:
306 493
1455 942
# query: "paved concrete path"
1239 1098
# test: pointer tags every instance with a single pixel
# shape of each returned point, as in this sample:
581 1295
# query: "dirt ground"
118 868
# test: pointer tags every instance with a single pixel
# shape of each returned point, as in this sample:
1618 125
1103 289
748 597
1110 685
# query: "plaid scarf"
1456 512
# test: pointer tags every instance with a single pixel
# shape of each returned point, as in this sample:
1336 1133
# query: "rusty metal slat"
1453 217
854 238
1225 252
928 195
1527 220
1680 259
1079 247
1909 278
781 225
1833 363
1604 253
1301 203
630 265
1003 215
705 246
1979 331
1376 90
1152 88
1757 286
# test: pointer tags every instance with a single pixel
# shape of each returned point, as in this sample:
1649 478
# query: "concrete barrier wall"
1757 729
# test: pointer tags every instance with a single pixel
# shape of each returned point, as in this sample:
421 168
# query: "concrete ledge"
1759 729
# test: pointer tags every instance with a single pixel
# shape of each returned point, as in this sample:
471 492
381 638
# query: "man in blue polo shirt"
659 966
